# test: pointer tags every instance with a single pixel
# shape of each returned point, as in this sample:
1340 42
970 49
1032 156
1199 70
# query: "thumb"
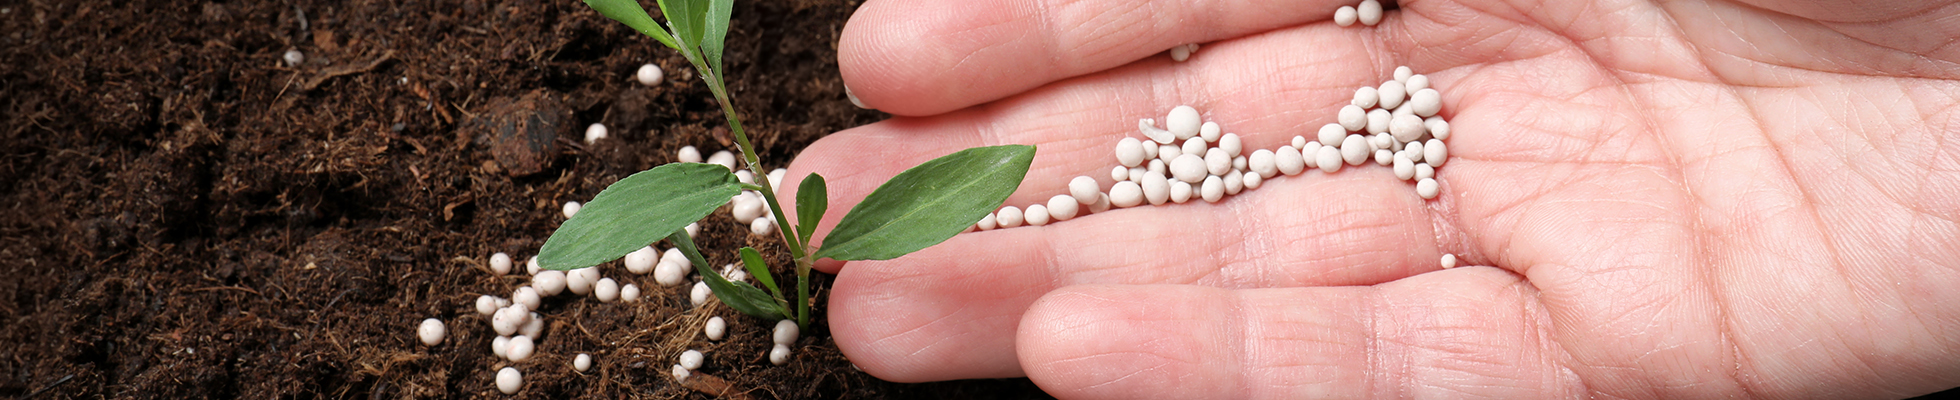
1466 332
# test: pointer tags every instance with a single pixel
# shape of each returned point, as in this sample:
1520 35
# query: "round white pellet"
431 331
1037 215
1346 16
571 208
693 228
1425 102
649 75
1331 134
582 363
723 158
1208 130
1377 122
1449 261
1195 146
987 223
689 154
1189 168
1424 171
1213 189
293 57
1404 169
1329 159
1119 173
1438 128
1380 141
1309 155
1010 216
1158 167
1234 182
1286 161
1136 174
776 177
1384 157
500 346
1369 13
533 326
1126 194
1168 152
1252 181
629 293
779 355
486 304
1427 188
1406 128
1180 53
1239 163
520 349
1416 82
748 209
716 328
692 359
594 132
606 290
1366 97
641 261
1129 152
1183 121
1063 207
1084 189
1299 141
700 294
500 263
1102 203
1150 150
1393 93
670 273
680 373
1264 162
509 380
1216 162
527 296
745 176
1232 145
1355 149
1180 192
1402 74
1435 153
580 281
1353 118
1156 188
1414 151
763 226
785 332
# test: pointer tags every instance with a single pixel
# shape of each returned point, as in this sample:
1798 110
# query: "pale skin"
1652 200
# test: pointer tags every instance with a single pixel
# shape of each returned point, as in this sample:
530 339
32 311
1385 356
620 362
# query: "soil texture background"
183 215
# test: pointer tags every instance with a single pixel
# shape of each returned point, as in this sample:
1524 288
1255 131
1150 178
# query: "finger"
1468 332
929 57
950 311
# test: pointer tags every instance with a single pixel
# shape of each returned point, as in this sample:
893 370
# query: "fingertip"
1101 341
924 58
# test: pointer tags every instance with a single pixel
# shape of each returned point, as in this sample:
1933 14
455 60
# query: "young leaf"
812 199
928 204
687 18
715 31
752 261
630 13
737 295
636 211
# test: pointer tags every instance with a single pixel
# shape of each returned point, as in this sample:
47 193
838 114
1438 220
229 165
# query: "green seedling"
921 207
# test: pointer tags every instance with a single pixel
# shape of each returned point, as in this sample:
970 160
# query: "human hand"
1688 199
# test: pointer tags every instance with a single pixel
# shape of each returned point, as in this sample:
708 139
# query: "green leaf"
752 261
715 32
812 199
737 295
929 203
636 211
687 18
630 13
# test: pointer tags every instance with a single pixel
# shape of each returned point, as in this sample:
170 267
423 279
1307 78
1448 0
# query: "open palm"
1685 199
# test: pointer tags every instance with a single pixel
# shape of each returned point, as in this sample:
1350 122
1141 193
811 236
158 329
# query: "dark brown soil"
186 217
